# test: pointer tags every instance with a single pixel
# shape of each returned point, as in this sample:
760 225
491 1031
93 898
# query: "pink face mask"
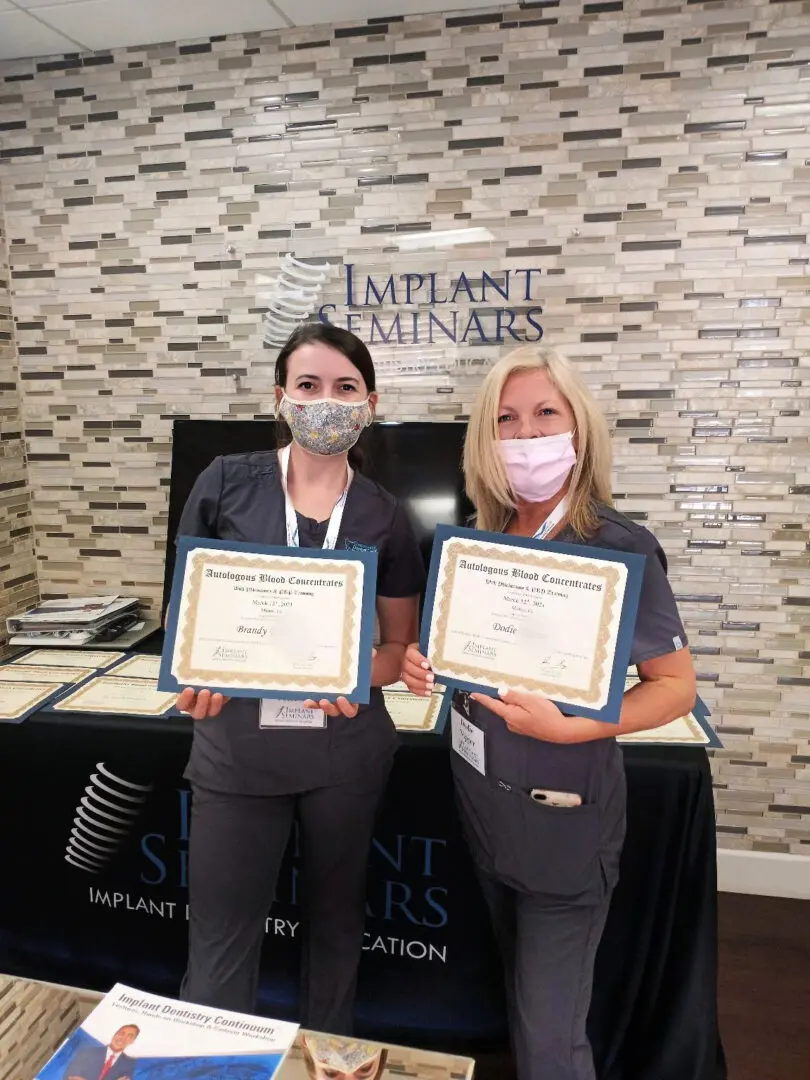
538 468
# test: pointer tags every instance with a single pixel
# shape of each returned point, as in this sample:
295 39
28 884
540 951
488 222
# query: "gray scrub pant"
236 846
548 948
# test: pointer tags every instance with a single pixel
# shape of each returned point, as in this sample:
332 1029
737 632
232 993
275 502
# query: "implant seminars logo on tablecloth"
407 903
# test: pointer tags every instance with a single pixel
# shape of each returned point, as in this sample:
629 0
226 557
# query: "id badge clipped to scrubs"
468 741
279 714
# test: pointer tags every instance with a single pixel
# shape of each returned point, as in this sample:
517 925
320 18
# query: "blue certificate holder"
634 566
701 713
359 693
113 709
39 705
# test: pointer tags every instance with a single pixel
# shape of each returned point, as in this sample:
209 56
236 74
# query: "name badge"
468 742
289 714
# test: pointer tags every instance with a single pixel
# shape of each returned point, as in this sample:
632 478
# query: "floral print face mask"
325 426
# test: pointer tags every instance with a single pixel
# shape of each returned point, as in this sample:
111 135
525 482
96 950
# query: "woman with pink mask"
537 463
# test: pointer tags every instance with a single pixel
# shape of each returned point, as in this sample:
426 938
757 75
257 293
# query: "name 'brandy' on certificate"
254 621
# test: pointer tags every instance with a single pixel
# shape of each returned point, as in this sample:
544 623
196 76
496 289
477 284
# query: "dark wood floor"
764 991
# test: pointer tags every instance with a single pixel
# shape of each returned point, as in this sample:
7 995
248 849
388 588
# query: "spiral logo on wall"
293 295
105 817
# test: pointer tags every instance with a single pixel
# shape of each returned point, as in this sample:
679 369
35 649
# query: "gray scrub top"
239 497
570 853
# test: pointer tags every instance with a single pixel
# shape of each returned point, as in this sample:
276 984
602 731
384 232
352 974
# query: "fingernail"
425 664
503 691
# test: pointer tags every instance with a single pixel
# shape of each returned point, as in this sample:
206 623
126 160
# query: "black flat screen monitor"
419 463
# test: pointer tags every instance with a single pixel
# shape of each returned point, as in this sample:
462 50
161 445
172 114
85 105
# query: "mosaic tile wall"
18 578
35 1019
647 161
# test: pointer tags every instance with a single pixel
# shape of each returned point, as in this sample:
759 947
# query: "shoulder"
237 470
89 1052
251 466
375 495
622 533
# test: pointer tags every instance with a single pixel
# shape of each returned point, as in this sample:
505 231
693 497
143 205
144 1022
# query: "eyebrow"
342 378
543 404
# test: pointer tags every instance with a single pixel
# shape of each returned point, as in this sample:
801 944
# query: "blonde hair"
484 472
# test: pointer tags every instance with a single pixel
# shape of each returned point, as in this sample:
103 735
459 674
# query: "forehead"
528 387
317 358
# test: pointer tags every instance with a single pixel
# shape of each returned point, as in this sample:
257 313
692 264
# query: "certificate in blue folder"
254 621
548 618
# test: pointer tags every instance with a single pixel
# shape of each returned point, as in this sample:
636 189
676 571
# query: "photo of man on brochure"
105 1062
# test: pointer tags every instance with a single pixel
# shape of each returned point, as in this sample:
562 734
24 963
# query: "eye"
348 388
548 412
504 418
306 384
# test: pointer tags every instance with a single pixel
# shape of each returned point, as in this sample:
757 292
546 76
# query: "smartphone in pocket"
556 798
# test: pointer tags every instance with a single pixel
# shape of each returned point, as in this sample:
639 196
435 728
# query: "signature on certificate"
553 665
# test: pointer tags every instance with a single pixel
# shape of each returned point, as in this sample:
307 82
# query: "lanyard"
553 519
336 517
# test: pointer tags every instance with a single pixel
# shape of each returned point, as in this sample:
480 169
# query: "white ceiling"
51 27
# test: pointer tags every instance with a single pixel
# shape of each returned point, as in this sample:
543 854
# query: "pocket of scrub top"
531 847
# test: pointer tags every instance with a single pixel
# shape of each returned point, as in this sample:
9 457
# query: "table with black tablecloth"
430 973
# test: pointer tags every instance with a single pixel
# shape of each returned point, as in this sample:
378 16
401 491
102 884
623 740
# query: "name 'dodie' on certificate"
508 616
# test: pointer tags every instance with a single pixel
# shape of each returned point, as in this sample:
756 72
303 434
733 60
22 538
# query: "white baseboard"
763 873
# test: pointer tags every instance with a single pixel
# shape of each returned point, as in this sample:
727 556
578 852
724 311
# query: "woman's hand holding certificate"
504 612
249 621
199 705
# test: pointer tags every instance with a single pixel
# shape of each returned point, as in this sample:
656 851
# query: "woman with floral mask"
537 464
252 775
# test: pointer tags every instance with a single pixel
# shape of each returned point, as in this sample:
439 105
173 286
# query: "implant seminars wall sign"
430 307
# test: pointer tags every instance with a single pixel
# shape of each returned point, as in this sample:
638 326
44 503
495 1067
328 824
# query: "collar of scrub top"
335 518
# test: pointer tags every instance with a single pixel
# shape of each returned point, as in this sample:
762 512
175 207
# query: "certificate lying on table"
19 699
278 622
693 729
138 667
82 658
548 618
410 712
44 673
108 694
